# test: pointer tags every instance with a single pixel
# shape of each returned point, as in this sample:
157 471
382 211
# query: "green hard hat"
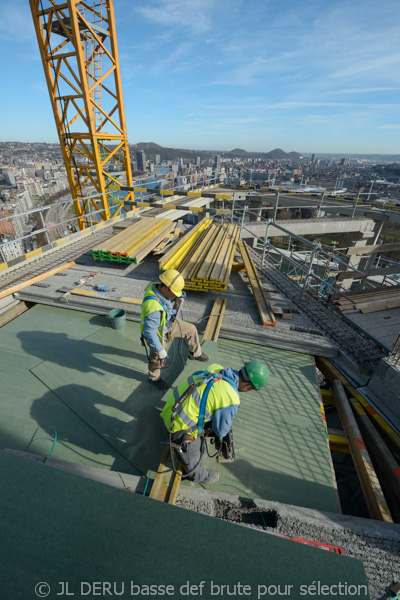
257 373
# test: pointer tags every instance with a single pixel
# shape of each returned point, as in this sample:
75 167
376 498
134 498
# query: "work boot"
203 357
160 384
212 477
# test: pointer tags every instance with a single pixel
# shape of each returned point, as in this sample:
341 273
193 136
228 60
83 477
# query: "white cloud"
189 14
390 126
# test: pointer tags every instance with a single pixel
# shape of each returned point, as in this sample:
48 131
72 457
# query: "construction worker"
158 324
212 404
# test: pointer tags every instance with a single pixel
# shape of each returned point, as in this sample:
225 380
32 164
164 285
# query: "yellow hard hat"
174 281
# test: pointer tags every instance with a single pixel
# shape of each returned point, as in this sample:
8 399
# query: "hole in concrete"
387 317
245 512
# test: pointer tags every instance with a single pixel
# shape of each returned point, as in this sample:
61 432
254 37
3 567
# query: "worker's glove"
163 354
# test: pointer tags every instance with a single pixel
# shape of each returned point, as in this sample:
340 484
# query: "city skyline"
320 78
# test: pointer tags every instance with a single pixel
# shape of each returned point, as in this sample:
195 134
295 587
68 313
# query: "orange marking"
360 443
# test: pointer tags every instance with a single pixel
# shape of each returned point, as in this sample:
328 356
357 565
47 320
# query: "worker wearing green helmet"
210 404
159 324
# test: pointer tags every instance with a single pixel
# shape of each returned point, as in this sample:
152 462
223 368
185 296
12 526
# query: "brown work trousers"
179 329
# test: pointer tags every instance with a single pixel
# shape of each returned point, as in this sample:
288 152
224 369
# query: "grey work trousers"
189 455
179 329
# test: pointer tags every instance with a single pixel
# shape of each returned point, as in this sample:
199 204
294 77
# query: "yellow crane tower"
78 46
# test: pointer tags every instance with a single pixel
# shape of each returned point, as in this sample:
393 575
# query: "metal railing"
394 356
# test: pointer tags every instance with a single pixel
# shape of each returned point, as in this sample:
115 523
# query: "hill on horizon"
152 149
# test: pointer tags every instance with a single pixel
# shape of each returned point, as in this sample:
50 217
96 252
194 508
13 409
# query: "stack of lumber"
135 242
371 301
204 256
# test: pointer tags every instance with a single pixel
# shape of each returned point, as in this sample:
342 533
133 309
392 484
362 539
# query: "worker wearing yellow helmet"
159 322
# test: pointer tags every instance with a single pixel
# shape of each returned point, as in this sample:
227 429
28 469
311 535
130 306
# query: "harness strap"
157 299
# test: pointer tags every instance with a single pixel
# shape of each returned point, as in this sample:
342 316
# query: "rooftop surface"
69 372
85 532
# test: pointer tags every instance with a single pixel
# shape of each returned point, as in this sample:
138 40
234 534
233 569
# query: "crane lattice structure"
78 47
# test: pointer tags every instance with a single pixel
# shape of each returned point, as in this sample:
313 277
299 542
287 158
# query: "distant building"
198 161
10 178
141 160
157 159
344 162
217 164
313 159
10 250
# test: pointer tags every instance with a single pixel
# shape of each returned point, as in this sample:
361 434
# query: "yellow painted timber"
390 435
173 252
215 320
367 476
327 398
260 297
21 286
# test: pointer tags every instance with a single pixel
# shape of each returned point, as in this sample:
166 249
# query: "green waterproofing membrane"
104 380
70 535
279 435
97 376
31 412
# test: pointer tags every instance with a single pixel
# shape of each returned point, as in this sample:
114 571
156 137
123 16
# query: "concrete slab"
84 528
384 325
241 319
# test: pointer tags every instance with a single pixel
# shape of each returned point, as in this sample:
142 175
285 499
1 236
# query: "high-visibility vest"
221 394
150 305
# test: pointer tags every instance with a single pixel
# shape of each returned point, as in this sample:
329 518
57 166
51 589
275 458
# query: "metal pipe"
45 227
320 205
265 242
315 249
276 205
355 204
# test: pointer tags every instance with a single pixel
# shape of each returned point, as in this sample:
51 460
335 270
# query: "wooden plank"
389 434
175 486
367 476
327 398
262 302
159 489
178 246
372 249
371 272
100 296
13 313
21 286
378 450
215 320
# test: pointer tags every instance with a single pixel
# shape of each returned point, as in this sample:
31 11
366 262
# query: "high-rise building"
217 163
10 250
344 162
313 158
198 161
157 159
141 160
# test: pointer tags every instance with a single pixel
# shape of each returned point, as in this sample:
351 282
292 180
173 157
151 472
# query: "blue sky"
313 76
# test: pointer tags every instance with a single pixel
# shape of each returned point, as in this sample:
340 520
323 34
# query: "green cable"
54 443
147 483
252 499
